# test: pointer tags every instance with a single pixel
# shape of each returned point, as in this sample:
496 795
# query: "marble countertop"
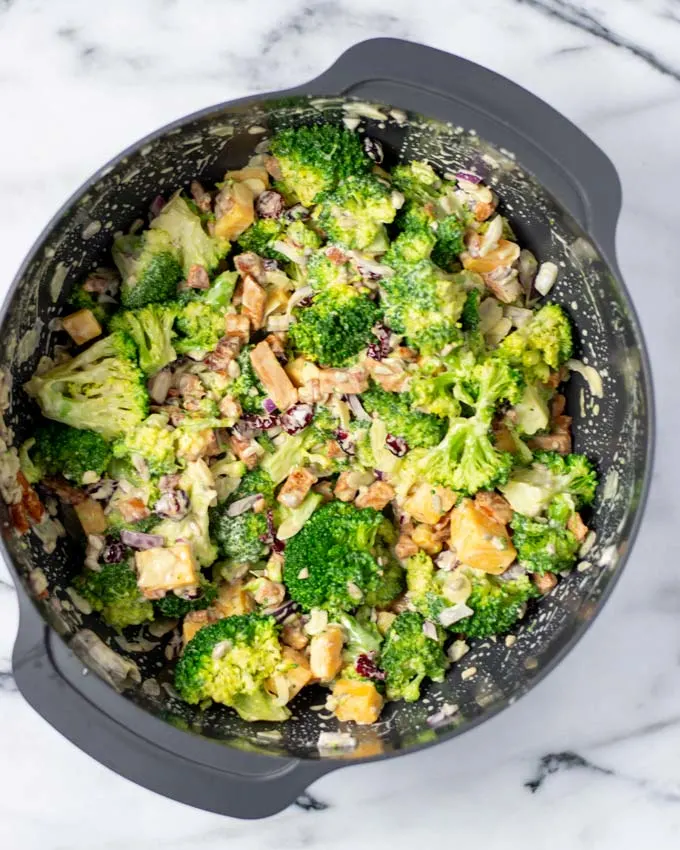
590 759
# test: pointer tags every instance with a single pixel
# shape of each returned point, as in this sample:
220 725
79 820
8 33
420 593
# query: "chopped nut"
292 633
274 379
198 277
551 443
390 375
494 505
379 494
343 381
544 583
577 527
190 385
297 485
249 264
346 488
233 599
230 408
254 298
237 325
201 198
269 593
405 547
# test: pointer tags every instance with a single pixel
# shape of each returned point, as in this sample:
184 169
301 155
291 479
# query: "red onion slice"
269 405
469 176
140 540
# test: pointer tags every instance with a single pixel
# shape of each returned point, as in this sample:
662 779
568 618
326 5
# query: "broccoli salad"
310 423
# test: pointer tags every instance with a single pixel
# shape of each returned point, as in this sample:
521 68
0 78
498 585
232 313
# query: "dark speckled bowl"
562 197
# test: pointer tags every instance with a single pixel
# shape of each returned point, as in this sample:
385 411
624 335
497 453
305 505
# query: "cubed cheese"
162 569
480 541
91 516
81 326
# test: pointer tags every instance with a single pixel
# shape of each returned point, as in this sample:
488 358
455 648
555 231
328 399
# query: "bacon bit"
245 450
577 527
557 406
18 518
276 345
230 408
30 499
66 492
494 505
336 255
198 277
225 351
271 163
297 485
503 438
334 450
345 381
560 443
483 210
405 547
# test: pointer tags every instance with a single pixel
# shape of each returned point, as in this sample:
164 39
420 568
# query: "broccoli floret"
81 299
530 490
151 442
255 481
221 291
434 394
247 388
401 419
469 318
362 638
353 215
497 605
239 538
430 590
545 544
150 268
415 242
175 607
193 245
332 561
540 346
335 327
229 662
425 305
151 330
419 182
449 244
303 237
113 592
315 159
60 450
199 327
260 238
409 656
198 483
101 389
392 583
323 273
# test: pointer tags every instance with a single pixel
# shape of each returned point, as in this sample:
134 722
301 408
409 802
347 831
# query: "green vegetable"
323 273
192 244
335 327
247 388
425 305
151 330
415 242
449 243
497 605
81 299
255 481
113 592
60 450
199 328
402 420
469 318
354 214
419 182
315 159
100 389
239 538
530 490
152 442
541 345
229 662
430 590
150 268
332 562
408 657
260 238
175 607
545 544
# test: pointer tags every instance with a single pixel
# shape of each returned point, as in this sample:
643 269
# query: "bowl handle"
267 784
440 85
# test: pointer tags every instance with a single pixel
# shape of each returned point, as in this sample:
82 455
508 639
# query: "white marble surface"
77 83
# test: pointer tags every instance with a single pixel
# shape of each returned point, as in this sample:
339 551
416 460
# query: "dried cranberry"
114 552
259 422
269 204
397 445
296 418
374 150
345 442
379 350
296 213
270 539
366 667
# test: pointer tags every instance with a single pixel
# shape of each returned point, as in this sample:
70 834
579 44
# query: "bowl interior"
613 429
